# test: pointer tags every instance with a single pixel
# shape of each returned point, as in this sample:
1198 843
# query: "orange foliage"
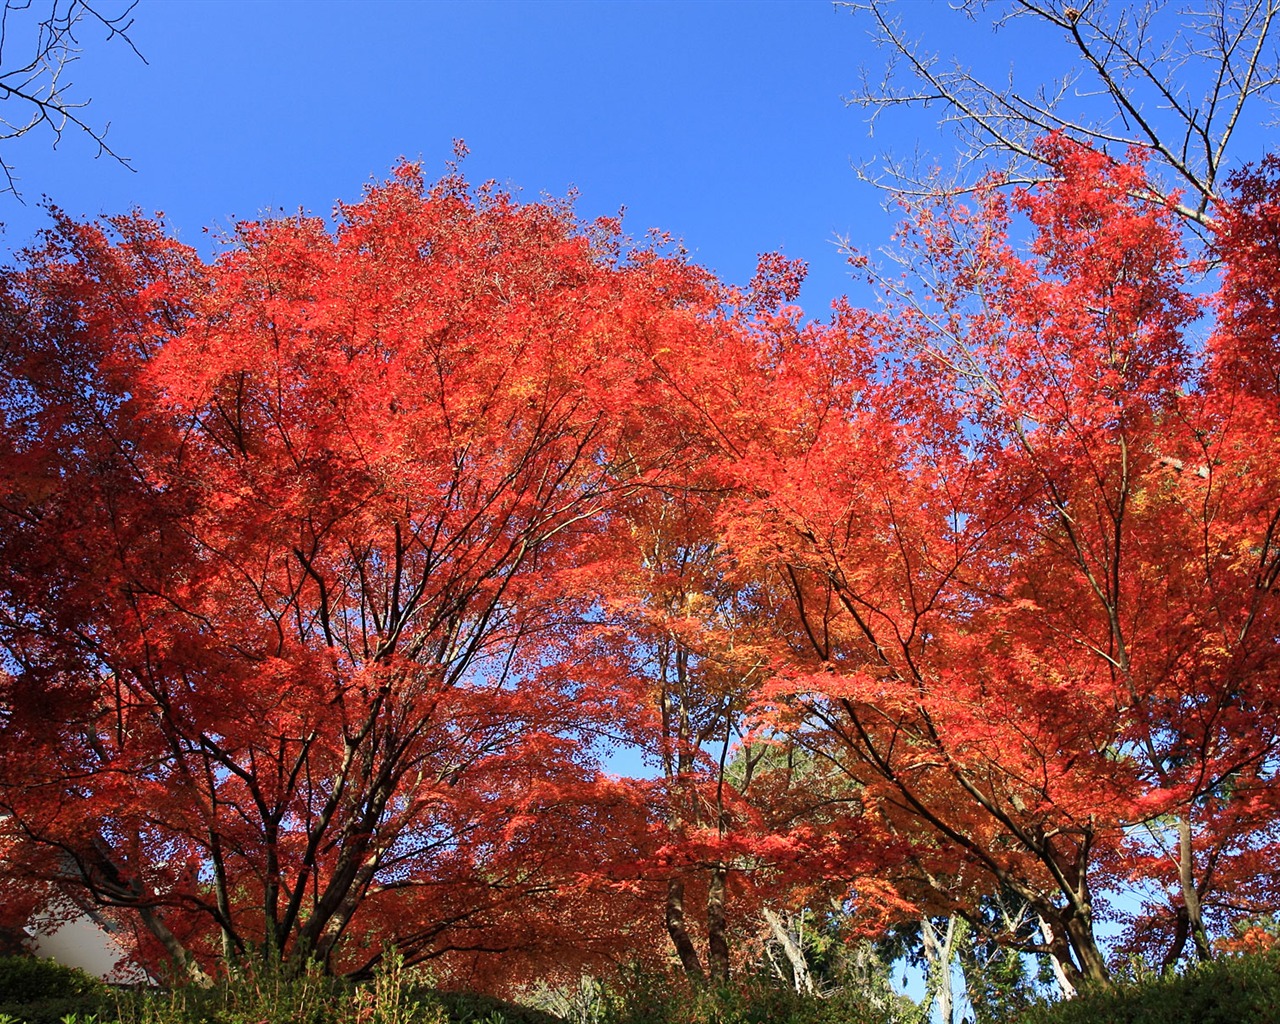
324 565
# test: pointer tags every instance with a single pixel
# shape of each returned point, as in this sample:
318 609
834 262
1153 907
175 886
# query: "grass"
1232 990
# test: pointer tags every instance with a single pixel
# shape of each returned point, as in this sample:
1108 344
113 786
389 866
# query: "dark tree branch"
1173 83
38 44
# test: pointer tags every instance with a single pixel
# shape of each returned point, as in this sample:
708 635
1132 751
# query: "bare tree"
39 40
1177 83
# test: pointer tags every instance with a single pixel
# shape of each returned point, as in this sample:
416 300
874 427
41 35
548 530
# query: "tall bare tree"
1178 82
38 43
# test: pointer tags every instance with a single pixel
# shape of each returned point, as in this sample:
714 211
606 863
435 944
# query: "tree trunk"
800 975
1190 894
939 951
130 891
1060 958
1181 929
680 934
185 962
717 928
1093 966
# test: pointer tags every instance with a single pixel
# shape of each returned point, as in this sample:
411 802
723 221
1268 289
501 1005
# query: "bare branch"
38 43
1172 83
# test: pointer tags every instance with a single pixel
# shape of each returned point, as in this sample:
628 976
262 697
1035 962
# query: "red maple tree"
1032 594
323 565
286 540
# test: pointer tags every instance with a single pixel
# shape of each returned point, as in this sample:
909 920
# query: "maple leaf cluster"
327 565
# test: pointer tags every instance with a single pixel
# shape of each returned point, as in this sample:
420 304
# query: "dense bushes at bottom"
398 997
36 991
43 992
1231 990
1234 990
654 1000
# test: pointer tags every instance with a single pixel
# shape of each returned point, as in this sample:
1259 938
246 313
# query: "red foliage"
287 549
323 565
1030 541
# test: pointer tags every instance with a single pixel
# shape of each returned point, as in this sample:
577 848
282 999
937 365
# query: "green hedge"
43 992
658 1000
472 1008
1231 990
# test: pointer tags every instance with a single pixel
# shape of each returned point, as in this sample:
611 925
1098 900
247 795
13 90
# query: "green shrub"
259 994
266 995
473 1008
26 978
39 991
1232 990
658 1000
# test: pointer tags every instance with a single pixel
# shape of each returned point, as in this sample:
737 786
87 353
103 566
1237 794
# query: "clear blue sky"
722 123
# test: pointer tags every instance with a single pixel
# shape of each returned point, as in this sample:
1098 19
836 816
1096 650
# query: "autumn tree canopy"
289 544
327 565
1029 533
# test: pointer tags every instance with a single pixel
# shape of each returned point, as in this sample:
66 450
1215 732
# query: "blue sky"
721 123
